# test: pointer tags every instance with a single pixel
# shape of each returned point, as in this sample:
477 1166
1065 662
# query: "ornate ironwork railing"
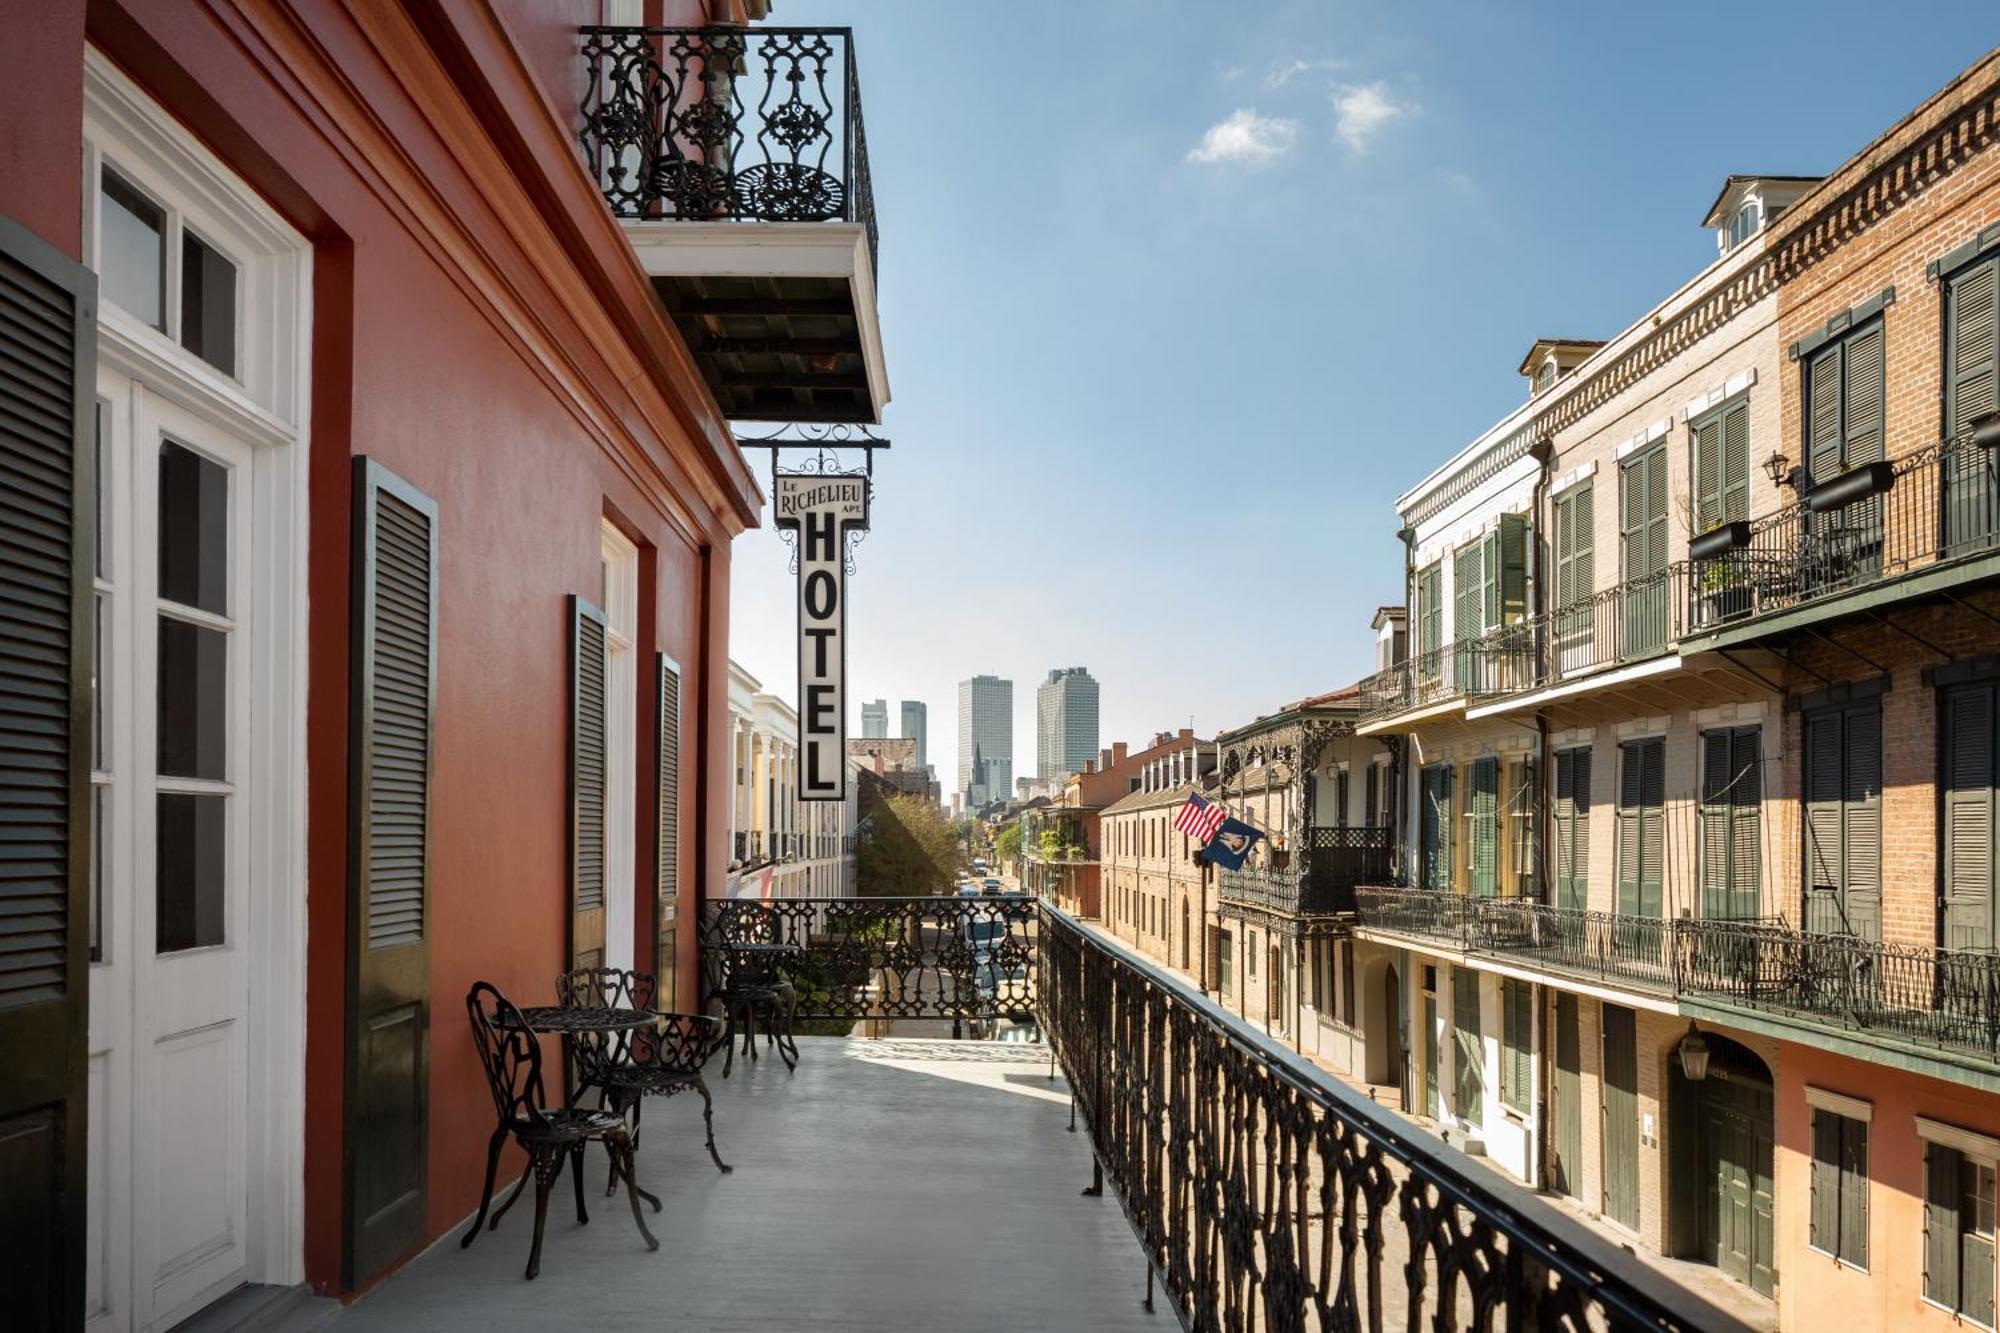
698 124
1629 622
1938 997
1331 862
1939 503
1385 692
1268 1196
956 958
1941 997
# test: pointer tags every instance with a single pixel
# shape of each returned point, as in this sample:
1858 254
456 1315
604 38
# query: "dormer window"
1546 375
1749 217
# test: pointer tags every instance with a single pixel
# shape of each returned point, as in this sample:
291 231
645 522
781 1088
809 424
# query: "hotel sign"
822 509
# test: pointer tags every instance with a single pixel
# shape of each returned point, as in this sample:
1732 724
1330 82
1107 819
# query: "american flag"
1200 819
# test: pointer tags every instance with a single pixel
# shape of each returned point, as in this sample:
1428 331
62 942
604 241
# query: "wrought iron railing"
1940 997
1385 692
1267 1195
1629 622
956 958
1321 881
698 124
1940 503
1936 997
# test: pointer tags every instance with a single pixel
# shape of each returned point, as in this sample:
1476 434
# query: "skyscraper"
985 738
916 726
875 720
1065 722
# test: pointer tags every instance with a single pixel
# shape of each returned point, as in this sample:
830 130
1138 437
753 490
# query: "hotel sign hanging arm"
818 508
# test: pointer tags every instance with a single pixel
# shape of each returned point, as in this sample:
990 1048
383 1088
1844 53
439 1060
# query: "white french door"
169 1002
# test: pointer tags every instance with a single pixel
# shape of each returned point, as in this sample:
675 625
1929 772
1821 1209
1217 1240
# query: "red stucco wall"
443 369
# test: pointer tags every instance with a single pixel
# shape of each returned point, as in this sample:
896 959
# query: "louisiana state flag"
1231 843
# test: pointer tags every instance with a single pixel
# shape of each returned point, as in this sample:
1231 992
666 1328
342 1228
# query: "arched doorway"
1722 1202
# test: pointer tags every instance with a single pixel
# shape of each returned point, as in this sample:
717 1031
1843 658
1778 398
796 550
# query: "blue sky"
1177 298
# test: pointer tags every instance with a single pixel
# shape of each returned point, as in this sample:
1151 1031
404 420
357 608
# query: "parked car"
991 888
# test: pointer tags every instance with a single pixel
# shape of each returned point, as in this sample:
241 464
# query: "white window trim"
1982 1148
265 406
1854 1108
1700 404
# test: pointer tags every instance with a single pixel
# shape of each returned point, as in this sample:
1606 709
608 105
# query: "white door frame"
264 406
620 558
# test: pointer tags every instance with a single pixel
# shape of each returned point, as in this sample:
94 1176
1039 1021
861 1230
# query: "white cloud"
1247 138
1284 72
1361 110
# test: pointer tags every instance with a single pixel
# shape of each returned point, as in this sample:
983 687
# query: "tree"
909 851
1008 845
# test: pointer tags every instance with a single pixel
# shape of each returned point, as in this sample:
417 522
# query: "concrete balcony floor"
893 1184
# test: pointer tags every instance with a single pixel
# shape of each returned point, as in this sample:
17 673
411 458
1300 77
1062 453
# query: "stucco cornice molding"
574 305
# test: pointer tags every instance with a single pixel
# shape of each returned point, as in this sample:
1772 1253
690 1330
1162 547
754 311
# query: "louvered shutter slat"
1485 815
1823 413
1824 853
1746 822
401 649
1824 1226
1973 367
1968 817
1941 1248
1735 464
1862 373
1862 823
1854 1191
1629 830
1708 473
589 669
1715 850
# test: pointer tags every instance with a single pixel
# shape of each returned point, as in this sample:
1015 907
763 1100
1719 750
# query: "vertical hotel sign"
822 509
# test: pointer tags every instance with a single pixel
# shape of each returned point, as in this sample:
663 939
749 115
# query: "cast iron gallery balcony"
1875 522
1332 861
737 160
1939 998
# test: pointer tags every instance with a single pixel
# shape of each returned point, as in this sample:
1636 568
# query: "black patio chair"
745 992
656 1061
511 1055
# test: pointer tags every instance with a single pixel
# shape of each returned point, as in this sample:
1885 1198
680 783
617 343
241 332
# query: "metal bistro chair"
656 1061
744 993
511 1054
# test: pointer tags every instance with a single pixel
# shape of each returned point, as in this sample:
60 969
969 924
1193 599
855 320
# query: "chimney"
1187 733
1118 751
1090 766
1104 758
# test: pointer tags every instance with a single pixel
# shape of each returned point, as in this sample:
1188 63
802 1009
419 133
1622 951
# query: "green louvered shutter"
1436 868
1641 830
1468 586
1854 1191
1971 391
1861 409
1941 1233
1735 464
1465 1102
1575 574
1513 547
1823 1229
1969 890
1861 798
1484 809
1430 606
1822 405
668 831
1708 473
1975 1255
1731 822
1572 872
1643 549
1824 851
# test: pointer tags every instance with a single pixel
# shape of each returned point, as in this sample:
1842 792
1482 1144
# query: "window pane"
194 530
100 681
132 250
208 304
194 730
189 871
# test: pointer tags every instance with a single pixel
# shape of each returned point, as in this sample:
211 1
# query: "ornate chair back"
510 1054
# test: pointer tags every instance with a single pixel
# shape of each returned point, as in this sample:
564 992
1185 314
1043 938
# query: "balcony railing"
1937 504
700 124
1935 997
1332 862
1435 675
1268 1195
956 958
1629 622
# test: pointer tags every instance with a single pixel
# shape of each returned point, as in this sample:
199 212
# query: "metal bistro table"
553 1139
758 966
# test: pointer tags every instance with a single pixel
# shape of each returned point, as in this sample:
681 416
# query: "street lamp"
1694 1054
